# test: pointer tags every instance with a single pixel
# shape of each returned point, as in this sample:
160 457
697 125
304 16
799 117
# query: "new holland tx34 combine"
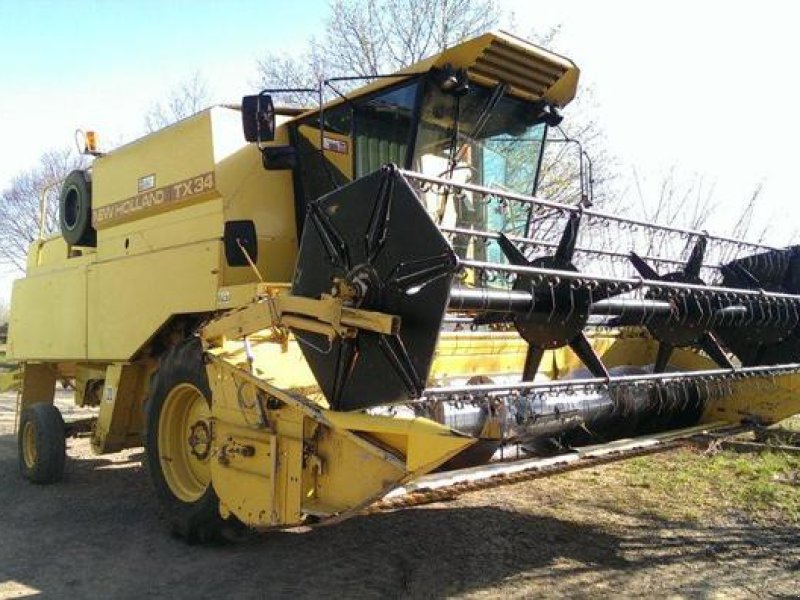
299 317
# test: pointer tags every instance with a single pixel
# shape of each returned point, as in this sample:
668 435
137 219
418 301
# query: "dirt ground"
98 535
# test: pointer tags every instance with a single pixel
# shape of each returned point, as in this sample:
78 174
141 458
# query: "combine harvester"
303 318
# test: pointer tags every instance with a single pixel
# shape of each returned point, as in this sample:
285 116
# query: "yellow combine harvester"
300 318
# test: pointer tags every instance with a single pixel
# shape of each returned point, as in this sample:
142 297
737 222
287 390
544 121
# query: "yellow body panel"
160 231
175 153
265 197
154 261
49 315
178 280
53 253
277 456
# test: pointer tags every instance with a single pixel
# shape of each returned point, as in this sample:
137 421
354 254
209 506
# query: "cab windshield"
483 136
487 138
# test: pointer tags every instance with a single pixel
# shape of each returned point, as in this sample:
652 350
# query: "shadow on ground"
98 534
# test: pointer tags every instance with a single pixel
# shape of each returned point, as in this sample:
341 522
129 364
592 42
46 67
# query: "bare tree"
20 202
371 37
693 204
187 98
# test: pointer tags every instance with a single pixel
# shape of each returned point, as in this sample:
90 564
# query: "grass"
681 485
689 484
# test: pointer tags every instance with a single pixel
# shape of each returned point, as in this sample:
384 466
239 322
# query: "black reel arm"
373 242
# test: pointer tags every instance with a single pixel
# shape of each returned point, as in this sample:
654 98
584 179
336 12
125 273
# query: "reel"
692 315
556 314
374 245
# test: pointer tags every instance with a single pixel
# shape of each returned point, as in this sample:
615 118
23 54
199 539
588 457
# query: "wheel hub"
184 442
29 453
200 440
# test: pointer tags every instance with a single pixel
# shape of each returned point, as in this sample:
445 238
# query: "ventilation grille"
528 73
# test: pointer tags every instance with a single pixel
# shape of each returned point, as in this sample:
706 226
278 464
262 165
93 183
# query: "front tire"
41 444
178 443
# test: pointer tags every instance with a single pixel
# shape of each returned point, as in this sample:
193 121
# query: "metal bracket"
327 316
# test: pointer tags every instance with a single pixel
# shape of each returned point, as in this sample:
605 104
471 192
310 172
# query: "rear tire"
41 444
179 404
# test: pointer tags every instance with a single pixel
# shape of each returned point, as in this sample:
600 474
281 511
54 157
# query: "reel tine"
662 359
533 359
511 252
711 346
692 268
580 345
643 268
566 246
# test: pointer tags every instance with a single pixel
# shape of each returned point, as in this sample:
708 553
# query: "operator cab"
473 134
478 119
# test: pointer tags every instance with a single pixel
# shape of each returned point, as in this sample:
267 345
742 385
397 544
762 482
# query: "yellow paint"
38 384
120 420
467 353
175 153
470 54
265 197
29 452
186 468
105 304
10 380
183 279
48 315
304 460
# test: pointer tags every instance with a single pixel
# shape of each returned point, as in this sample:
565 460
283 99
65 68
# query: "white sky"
707 88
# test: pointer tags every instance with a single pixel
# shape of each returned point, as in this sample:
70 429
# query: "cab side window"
383 129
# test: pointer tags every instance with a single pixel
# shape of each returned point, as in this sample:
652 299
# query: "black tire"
197 521
42 426
75 210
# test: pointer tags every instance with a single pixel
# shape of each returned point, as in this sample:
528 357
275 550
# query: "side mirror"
258 118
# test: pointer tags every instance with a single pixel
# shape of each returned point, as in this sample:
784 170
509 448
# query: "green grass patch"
689 484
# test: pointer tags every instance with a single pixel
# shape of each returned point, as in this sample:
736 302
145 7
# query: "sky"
705 90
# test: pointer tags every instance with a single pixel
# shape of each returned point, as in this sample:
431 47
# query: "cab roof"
530 72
